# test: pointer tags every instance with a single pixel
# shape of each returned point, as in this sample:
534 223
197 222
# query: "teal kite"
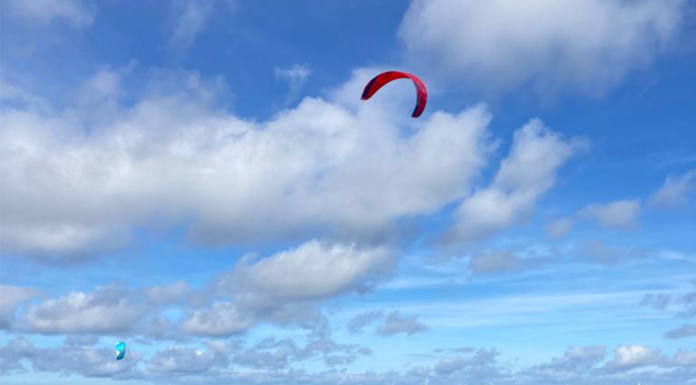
120 350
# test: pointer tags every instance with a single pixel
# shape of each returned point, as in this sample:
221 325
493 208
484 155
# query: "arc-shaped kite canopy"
382 79
120 350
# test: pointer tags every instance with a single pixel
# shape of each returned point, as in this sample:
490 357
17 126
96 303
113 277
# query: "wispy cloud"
190 18
676 191
76 13
295 76
620 214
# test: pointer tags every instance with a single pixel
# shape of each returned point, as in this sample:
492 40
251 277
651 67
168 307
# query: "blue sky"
200 180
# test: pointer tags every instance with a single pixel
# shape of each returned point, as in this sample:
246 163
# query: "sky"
201 180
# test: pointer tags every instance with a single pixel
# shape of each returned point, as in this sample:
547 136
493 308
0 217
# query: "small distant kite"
120 350
380 80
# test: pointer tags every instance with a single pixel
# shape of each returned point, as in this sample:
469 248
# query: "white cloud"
620 214
105 311
683 358
68 360
173 157
222 319
684 331
573 366
362 320
312 271
583 45
191 17
175 292
676 191
273 354
42 12
482 364
398 324
633 356
12 354
579 358
524 176
295 76
11 297
657 301
288 286
186 361
606 254
500 261
599 251
270 361
560 228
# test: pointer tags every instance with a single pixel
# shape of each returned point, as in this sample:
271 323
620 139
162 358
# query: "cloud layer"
175 158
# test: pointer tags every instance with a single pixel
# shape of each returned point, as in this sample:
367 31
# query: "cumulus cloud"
288 286
362 320
620 214
107 310
271 361
186 361
630 364
76 13
400 324
12 354
632 356
314 270
683 358
178 291
574 365
527 173
11 297
274 354
482 363
68 360
221 319
582 45
676 191
173 157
